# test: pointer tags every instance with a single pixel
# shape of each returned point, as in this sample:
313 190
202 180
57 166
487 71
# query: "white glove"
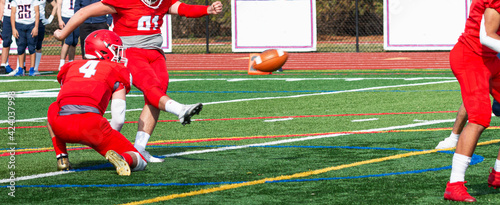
45 21
48 21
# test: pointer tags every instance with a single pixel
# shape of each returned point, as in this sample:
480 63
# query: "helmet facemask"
152 3
118 54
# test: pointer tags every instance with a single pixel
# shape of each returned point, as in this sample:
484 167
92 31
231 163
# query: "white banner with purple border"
258 25
423 24
166 33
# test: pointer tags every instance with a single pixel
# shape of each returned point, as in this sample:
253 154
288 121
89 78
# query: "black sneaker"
3 70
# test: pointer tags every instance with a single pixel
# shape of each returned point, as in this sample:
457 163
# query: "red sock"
153 96
59 146
127 158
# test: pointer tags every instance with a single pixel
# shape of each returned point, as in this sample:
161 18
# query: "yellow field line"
297 175
163 141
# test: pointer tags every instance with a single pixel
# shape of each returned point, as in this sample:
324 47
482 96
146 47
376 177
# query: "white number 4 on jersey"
89 69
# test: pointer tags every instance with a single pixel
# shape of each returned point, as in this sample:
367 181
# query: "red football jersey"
135 18
470 36
91 82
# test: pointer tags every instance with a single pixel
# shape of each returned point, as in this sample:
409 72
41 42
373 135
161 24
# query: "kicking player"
86 88
475 64
138 24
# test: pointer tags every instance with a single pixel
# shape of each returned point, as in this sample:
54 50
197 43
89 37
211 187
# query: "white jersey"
67 8
41 8
6 8
25 10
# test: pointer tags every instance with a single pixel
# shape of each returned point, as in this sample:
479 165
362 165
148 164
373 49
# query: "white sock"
61 63
497 165
38 58
70 61
458 167
173 107
4 64
454 136
141 140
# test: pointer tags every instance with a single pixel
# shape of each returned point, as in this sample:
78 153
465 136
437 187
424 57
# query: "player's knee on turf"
141 163
118 107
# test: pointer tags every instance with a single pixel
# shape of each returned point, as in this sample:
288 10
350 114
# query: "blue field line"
475 160
301 91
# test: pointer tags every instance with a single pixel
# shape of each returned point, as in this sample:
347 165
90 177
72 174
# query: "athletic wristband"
192 11
489 42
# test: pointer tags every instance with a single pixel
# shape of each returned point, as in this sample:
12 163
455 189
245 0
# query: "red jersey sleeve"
124 77
121 86
494 4
62 73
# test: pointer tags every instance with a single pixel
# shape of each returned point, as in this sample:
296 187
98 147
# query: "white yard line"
282 97
305 138
25 80
364 120
281 119
333 92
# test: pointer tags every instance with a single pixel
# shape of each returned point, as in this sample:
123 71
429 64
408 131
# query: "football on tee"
270 60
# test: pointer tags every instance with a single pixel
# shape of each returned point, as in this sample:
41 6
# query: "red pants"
479 76
149 73
89 129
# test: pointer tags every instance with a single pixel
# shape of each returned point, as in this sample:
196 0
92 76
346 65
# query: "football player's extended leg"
150 75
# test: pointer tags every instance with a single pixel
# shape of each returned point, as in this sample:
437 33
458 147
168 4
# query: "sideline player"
65 10
25 22
459 124
86 88
6 36
138 23
41 33
475 64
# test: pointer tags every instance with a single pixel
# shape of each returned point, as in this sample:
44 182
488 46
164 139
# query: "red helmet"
105 45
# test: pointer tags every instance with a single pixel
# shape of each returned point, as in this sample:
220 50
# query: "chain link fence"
339 29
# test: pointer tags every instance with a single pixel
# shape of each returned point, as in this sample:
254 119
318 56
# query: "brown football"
270 60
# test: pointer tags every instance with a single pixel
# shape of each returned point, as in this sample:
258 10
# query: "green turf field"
297 137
